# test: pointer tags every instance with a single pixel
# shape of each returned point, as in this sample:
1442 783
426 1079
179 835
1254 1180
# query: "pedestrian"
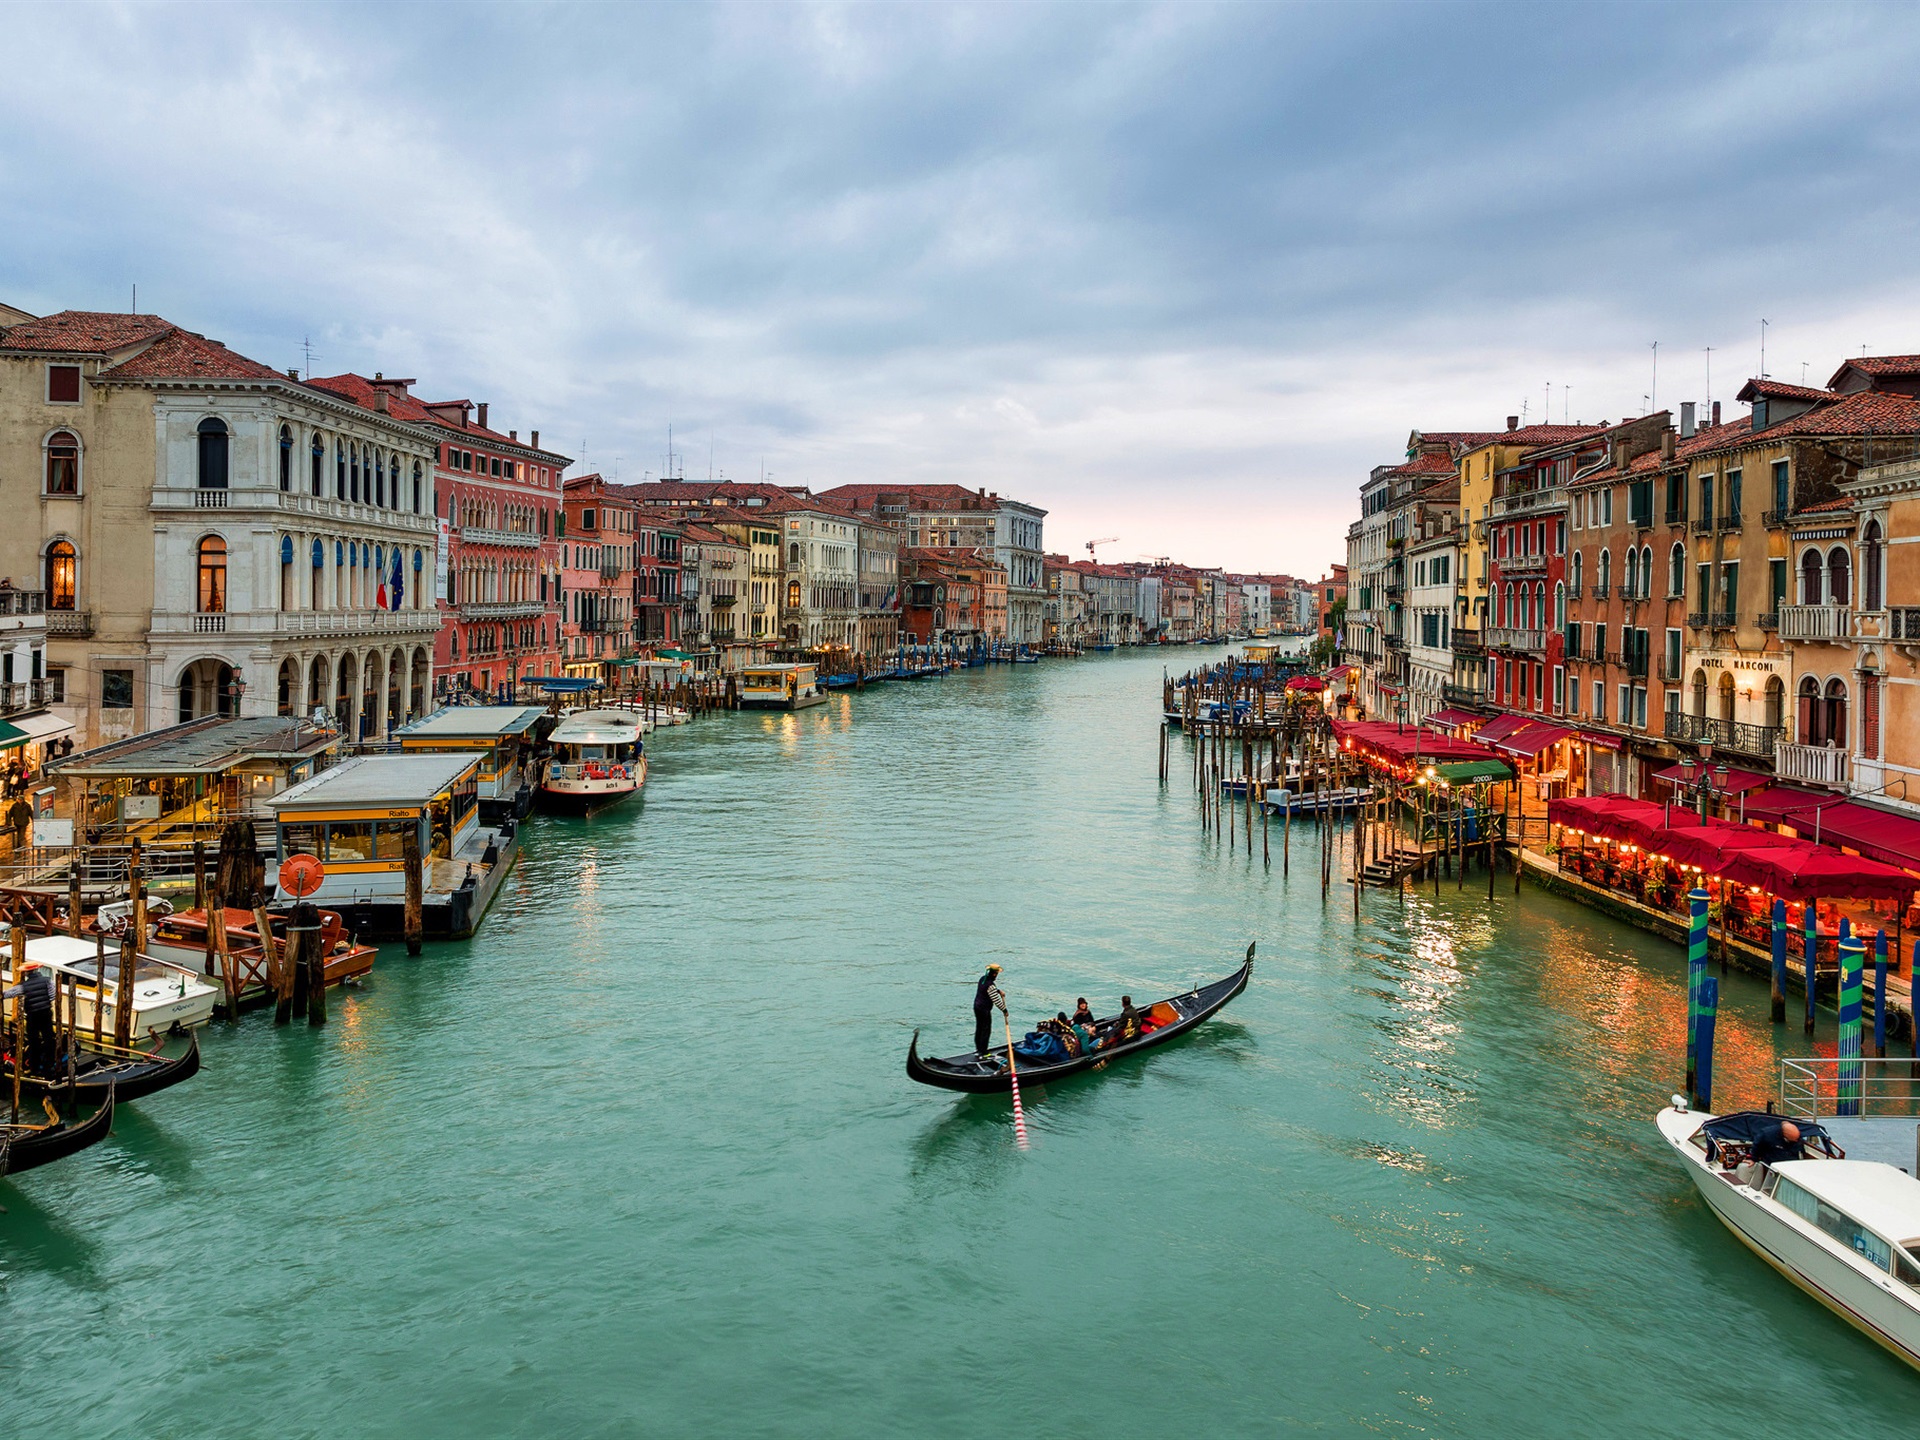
987 998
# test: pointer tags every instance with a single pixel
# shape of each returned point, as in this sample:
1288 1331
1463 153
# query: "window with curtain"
213 575
62 570
63 463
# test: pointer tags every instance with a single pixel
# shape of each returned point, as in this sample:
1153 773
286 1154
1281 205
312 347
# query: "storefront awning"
1878 834
1532 738
1450 718
1816 872
1499 728
1733 784
43 726
1467 772
12 736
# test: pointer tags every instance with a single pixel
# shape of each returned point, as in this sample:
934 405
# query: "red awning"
1499 728
1534 737
1450 718
1879 834
1306 682
1601 738
1817 872
1622 818
1713 845
1735 782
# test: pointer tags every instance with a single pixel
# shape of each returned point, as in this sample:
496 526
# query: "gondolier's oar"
1013 1073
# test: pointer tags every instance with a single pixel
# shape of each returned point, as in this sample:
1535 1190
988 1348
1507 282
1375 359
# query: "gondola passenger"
1081 1014
1069 1036
1129 1026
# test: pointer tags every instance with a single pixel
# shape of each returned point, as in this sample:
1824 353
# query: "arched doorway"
1833 718
1726 698
206 688
317 677
1809 707
370 717
1776 712
345 687
422 670
289 695
1700 694
396 682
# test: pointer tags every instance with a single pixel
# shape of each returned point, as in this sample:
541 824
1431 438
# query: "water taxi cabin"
183 783
355 818
503 736
780 687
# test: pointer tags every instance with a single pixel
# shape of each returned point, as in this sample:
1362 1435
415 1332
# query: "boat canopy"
378 780
472 722
1743 1127
598 727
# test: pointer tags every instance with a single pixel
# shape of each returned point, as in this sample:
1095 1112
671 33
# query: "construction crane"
1103 540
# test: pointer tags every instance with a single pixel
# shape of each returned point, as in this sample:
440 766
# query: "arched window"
793 591
339 470
1506 603
380 477
1833 718
1539 619
213 455
1726 698
1869 713
286 459
1630 578
353 473
63 463
287 601
1559 607
62 575
1603 575
318 464
1676 572
1646 572
1579 569
1809 707
1700 694
1870 567
213 576
1812 568
1776 713
416 487
1837 588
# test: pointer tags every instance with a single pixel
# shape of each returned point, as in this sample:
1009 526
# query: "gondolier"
987 998
35 993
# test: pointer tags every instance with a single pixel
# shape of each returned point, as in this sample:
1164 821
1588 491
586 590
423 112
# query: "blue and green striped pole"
1811 952
1880 995
1696 972
1779 961
1709 1012
1852 952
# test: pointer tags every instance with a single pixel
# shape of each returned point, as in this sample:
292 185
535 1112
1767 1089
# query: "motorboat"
181 938
1845 1231
166 997
598 760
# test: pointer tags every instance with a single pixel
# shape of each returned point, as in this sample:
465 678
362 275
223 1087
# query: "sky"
1179 274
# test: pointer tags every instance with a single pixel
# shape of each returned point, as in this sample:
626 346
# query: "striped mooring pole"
1709 1012
1852 952
1880 995
1779 1011
1811 954
1696 972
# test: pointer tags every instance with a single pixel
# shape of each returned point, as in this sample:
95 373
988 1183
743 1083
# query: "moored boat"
598 760
126 1075
166 996
1845 1231
987 1073
28 1147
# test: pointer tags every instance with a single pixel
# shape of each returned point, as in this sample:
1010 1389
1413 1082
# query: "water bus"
354 818
505 737
598 759
780 687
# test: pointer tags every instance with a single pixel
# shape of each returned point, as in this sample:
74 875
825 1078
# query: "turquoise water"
642 1159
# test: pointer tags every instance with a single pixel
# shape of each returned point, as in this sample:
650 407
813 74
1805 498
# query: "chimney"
1619 454
513 434
1513 422
483 415
535 440
378 376
293 372
1716 413
1666 444
383 402
1686 420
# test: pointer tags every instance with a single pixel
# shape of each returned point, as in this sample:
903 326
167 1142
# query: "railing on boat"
559 771
1874 1089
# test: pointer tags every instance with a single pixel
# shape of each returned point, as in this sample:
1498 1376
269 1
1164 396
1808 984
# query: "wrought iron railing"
1738 735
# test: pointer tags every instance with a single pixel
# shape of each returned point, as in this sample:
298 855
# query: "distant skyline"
1178 274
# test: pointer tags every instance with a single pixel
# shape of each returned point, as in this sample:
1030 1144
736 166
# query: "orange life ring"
300 875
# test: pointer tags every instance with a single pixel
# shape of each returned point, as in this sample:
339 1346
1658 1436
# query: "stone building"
213 535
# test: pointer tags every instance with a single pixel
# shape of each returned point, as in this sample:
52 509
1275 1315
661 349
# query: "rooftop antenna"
1546 412
1803 372
1653 392
1566 404
135 308
1709 379
709 457
1524 403
1763 347
306 349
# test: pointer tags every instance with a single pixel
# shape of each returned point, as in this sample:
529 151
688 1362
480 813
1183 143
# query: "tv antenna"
1763 347
1653 392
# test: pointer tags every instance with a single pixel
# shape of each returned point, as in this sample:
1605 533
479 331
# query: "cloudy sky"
1179 274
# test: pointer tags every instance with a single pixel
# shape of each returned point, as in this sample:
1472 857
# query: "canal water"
642 1159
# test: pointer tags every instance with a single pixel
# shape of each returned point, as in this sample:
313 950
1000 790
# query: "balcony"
1813 764
480 535
1670 670
502 609
1696 619
22 602
1525 501
1602 590
1768 620
1676 517
1573 590
281 502
18 695
210 623
1703 527
1467 642
1506 638
1721 620
1633 662
1461 694
1522 564
336 622
1903 624
1394 642
76 624
1831 624
1730 522
1774 519
1735 735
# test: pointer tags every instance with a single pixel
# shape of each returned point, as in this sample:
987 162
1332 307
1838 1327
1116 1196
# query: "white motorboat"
165 996
1845 1231
598 760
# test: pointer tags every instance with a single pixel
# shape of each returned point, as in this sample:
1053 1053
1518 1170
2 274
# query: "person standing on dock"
987 998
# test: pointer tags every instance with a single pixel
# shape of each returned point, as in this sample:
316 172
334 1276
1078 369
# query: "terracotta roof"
1878 365
705 534
1867 413
1838 502
182 355
87 332
1780 390
1536 435
412 410
949 498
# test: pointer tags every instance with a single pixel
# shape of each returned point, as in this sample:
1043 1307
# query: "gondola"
23 1147
129 1077
987 1074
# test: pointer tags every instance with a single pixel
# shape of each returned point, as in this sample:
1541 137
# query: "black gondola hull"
126 1079
30 1149
965 1073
